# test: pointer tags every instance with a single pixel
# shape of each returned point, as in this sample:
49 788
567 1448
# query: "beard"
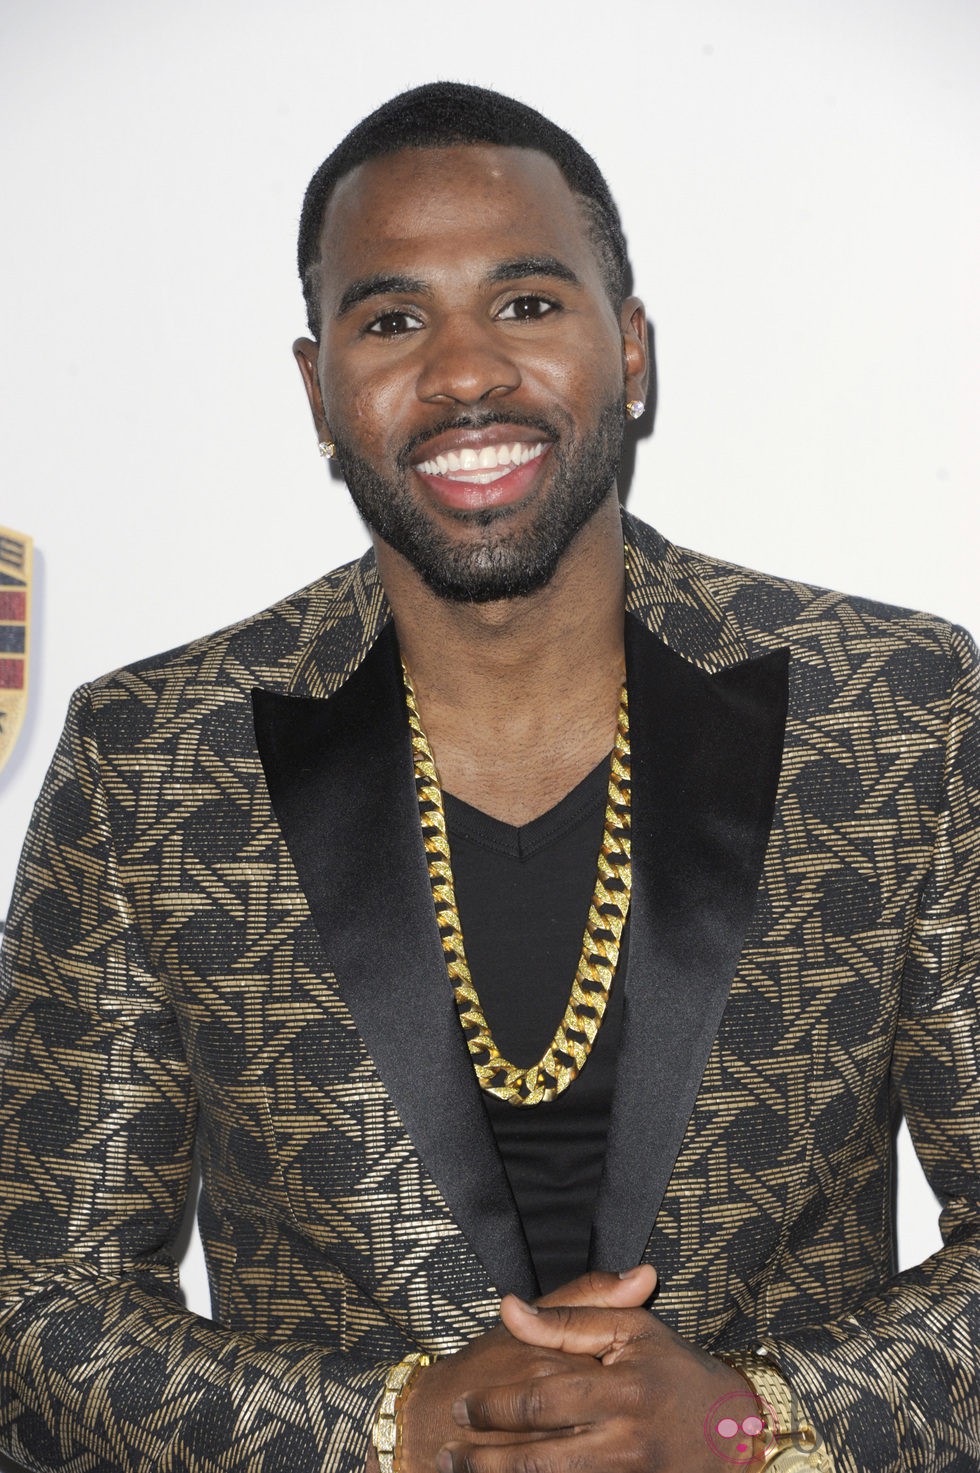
502 562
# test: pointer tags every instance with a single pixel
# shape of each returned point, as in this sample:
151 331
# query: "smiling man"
533 924
481 420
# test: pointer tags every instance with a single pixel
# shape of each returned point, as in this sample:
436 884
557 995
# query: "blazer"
223 933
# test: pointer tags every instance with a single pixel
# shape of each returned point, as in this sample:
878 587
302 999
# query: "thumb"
627 1290
583 1330
581 1317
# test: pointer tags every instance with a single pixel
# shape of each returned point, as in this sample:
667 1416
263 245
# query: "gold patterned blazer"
223 932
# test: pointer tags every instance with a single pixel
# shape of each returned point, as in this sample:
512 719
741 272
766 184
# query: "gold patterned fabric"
219 934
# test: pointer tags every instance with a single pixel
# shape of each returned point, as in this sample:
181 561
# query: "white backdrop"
798 183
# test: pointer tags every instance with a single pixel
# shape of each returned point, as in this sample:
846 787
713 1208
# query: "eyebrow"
525 266
379 285
387 284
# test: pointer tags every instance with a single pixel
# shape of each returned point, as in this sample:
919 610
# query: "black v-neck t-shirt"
523 895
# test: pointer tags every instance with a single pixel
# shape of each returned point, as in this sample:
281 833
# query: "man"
238 918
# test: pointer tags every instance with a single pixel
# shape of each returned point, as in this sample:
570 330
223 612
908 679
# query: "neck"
519 698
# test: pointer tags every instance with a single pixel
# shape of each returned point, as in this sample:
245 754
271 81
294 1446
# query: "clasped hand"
585 1380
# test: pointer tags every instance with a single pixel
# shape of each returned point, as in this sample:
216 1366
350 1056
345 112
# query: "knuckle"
583 1388
471 1459
532 1402
636 1395
530 1461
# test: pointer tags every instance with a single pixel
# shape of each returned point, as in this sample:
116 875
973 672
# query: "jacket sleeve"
895 1383
101 1366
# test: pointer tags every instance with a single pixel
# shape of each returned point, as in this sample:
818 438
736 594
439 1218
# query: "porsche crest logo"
15 607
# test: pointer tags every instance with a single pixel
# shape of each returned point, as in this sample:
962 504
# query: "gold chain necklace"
566 1054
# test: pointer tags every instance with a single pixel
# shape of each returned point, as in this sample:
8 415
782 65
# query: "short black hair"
441 115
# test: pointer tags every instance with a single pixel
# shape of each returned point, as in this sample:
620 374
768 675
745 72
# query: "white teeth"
488 458
483 478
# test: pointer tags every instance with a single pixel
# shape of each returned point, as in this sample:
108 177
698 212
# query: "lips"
484 466
482 469
474 469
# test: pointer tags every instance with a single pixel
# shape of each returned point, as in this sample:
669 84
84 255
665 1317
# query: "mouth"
476 469
482 467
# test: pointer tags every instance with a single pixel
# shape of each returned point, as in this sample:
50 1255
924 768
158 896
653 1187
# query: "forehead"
439 209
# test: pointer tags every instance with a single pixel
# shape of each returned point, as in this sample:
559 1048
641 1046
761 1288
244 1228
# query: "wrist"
386 1434
786 1438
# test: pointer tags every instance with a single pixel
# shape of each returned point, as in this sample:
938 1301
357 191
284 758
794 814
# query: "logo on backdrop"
15 617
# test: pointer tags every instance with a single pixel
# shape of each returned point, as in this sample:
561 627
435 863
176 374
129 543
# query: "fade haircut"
442 115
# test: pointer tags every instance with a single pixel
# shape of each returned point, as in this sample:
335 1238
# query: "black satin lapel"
339 773
706 755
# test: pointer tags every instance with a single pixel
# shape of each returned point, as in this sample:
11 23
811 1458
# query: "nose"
465 361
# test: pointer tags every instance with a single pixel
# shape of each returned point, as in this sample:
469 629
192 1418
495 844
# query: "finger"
540 1403
584 1452
605 1290
582 1330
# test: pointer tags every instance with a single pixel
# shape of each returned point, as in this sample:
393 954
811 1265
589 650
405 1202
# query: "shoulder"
217 672
837 641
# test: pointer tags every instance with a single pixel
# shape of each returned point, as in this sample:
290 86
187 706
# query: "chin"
485 581
500 567
494 564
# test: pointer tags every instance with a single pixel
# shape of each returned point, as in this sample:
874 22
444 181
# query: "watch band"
386 1434
789 1440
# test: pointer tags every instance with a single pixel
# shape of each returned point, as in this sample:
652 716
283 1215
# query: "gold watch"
789 1441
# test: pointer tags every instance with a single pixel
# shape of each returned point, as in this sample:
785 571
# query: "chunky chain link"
569 1049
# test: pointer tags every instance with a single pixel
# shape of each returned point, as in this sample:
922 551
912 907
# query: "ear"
305 352
639 362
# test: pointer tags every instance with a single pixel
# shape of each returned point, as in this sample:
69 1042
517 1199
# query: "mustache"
475 421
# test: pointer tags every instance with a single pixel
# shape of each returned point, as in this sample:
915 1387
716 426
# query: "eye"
393 324
528 309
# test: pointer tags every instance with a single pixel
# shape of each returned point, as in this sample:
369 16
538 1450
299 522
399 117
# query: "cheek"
375 413
594 372
363 407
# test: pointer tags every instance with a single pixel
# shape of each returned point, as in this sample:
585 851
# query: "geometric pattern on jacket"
165 976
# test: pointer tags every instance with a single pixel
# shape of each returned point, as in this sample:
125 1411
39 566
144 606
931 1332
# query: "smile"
481 467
